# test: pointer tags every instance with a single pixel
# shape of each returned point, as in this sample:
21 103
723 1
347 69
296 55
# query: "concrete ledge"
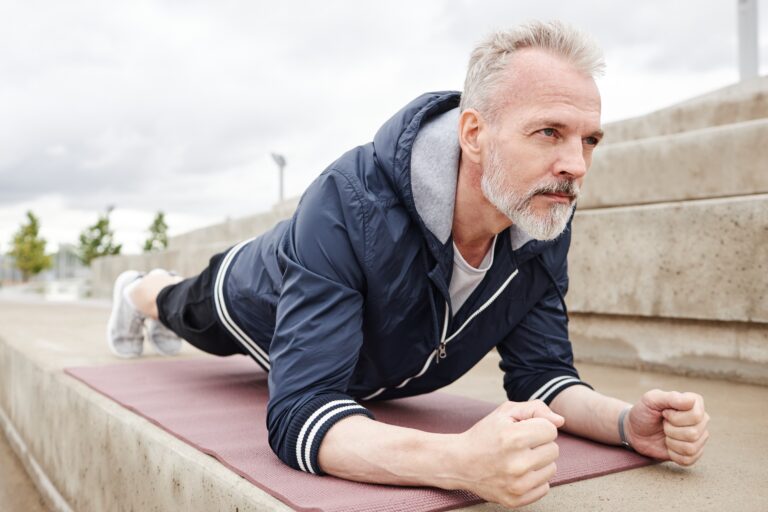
723 161
102 457
704 260
50 496
726 350
98 455
743 101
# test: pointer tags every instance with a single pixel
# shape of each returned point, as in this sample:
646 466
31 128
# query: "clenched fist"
509 456
668 425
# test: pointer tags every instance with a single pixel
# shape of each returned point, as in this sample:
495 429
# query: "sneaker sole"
122 280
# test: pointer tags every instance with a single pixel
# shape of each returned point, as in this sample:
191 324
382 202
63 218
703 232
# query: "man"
406 261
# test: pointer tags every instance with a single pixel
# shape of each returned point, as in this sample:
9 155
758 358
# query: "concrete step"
705 260
743 101
728 160
96 456
736 351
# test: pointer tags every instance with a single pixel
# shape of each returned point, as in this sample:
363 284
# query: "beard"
517 205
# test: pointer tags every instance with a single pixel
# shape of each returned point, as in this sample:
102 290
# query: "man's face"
540 145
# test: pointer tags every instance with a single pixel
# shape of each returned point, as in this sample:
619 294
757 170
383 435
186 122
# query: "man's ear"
472 129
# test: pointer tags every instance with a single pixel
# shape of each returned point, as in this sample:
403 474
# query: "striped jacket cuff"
309 426
551 385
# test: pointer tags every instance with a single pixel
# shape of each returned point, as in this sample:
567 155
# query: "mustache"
565 187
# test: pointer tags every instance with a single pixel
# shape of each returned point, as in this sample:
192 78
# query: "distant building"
8 271
66 265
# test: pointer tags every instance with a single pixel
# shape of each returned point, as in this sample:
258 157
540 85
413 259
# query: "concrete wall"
188 253
669 264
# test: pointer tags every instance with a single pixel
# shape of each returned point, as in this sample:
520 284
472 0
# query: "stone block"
723 161
743 101
703 260
728 350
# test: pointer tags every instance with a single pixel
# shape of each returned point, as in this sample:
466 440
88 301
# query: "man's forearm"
589 414
358 448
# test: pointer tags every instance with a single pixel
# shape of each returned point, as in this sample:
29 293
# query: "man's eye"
591 141
549 132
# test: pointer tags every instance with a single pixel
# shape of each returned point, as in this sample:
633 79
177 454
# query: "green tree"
28 249
158 234
98 240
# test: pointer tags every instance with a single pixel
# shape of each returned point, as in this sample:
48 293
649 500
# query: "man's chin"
543 229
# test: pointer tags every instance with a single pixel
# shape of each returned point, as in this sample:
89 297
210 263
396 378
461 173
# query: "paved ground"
731 476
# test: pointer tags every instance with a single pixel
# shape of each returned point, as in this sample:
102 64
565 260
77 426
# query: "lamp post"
747 39
280 161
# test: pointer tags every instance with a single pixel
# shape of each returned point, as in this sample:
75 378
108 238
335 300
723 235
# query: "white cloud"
176 105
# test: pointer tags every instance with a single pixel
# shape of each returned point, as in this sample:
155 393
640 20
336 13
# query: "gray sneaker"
125 330
165 341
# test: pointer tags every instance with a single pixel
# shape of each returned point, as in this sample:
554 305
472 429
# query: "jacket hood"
418 149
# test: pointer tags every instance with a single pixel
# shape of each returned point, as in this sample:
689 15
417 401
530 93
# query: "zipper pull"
441 353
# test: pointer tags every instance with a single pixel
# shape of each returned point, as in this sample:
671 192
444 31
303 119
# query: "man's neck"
475 220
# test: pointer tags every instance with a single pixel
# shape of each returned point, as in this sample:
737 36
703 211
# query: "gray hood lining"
435 173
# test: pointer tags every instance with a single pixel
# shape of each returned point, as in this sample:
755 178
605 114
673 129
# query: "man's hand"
509 456
668 425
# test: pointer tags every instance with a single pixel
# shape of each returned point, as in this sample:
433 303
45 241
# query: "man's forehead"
546 85
539 70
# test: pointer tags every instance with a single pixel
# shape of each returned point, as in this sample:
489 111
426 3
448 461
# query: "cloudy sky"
176 105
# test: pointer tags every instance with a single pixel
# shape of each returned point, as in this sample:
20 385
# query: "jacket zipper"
441 352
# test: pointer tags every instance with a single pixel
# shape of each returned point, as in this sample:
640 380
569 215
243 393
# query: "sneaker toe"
165 341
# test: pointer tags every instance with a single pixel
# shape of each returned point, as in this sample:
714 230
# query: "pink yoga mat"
218 405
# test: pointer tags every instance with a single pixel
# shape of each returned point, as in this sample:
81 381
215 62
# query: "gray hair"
489 59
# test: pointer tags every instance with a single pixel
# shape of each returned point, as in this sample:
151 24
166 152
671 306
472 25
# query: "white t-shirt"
465 277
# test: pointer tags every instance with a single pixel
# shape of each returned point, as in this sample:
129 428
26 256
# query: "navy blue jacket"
348 300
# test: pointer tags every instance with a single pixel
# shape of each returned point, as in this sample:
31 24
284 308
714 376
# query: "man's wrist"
623 437
451 462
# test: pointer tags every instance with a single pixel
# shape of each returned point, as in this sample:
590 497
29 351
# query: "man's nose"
571 161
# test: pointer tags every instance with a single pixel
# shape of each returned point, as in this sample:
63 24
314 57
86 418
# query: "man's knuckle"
517 488
687 449
516 441
510 501
555 450
689 433
551 470
516 468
